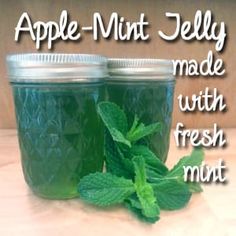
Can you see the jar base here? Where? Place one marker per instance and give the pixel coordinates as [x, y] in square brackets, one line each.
[56, 197]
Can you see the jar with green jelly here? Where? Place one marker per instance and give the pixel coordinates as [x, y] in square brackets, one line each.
[59, 130]
[144, 87]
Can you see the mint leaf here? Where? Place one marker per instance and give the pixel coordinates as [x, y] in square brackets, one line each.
[141, 131]
[171, 194]
[152, 162]
[119, 137]
[134, 125]
[195, 159]
[133, 205]
[144, 190]
[113, 117]
[134, 201]
[115, 121]
[104, 189]
[140, 172]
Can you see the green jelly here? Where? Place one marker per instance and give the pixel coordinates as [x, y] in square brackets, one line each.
[60, 135]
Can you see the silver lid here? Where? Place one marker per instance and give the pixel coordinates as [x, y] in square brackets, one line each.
[52, 67]
[144, 69]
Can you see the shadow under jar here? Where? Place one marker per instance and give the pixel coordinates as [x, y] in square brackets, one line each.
[59, 130]
[144, 87]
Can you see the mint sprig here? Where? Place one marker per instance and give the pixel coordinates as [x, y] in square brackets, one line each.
[134, 175]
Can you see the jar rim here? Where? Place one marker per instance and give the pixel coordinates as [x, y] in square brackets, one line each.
[140, 68]
[56, 67]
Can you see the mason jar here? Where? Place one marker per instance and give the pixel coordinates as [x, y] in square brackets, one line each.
[59, 130]
[144, 87]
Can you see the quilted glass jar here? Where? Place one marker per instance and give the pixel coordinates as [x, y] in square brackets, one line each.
[144, 87]
[60, 133]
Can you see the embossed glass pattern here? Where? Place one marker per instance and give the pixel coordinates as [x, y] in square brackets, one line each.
[60, 135]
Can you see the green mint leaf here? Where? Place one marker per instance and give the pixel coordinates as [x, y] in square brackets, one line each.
[141, 131]
[195, 159]
[134, 125]
[119, 137]
[116, 163]
[134, 201]
[152, 161]
[113, 117]
[144, 190]
[194, 187]
[140, 172]
[133, 205]
[104, 189]
[171, 194]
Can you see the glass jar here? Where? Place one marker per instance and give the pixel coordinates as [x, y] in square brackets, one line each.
[59, 130]
[144, 87]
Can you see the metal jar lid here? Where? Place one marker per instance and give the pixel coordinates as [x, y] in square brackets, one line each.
[56, 68]
[140, 69]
